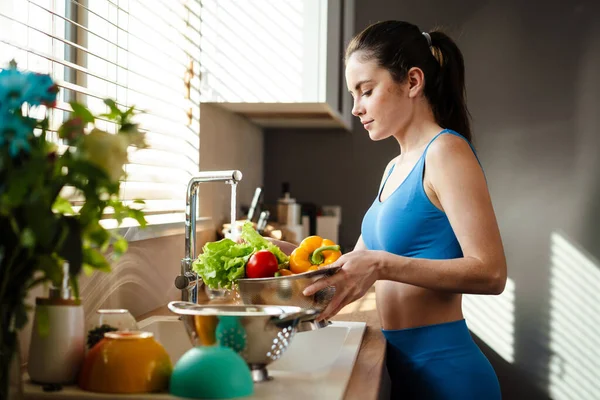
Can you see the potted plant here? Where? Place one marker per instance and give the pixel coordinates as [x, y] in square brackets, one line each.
[40, 228]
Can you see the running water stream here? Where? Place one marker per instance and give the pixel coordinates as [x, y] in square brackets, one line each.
[233, 235]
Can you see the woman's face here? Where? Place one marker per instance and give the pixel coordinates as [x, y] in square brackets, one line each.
[382, 104]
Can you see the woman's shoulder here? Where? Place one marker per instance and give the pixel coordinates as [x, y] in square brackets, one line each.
[451, 155]
[449, 145]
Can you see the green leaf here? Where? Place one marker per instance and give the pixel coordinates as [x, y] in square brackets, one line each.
[50, 266]
[82, 112]
[63, 206]
[75, 285]
[88, 270]
[95, 260]
[71, 247]
[115, 113]
[27, 238]
[128, 113]
[138, 215]
[97, 234]
[120, 246]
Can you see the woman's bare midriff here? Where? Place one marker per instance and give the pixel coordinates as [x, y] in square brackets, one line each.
[403, 306]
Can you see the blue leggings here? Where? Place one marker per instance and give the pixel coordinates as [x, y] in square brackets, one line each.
[439, 362]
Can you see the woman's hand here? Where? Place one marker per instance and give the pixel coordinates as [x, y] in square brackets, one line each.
[359, 272]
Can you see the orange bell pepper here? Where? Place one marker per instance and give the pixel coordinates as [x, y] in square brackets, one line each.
[284, 272]
[313, 252]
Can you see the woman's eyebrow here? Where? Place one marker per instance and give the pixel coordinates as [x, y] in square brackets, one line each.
[360, 83]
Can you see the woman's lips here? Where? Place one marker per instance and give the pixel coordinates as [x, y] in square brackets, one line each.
[366, 124]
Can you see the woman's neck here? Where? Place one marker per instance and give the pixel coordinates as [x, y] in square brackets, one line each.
[419, 131]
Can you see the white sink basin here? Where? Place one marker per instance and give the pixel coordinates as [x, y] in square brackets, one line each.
[316, 364]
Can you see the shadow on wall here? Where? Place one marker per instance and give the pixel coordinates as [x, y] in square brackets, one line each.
[574, 370]
[513, 383]
[574, 318]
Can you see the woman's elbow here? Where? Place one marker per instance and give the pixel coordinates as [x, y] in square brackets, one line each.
[497, 285]
[497, 279]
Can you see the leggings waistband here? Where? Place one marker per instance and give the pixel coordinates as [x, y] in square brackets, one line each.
[430, 338]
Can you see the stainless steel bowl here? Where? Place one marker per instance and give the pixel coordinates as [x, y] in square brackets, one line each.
[260, 334]
[287, 291]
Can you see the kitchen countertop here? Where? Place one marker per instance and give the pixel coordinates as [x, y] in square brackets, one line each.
[368, 369]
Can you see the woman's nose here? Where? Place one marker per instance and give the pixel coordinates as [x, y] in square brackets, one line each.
[357, 109]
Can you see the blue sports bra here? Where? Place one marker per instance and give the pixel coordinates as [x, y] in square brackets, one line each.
[407, 223]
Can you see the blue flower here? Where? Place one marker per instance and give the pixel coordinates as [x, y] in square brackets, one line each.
[15, 131]
[41, 90]
[18, 144]
[13, 85]
[18, 87]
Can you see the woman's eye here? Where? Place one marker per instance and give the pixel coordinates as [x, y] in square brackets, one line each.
[367, 93]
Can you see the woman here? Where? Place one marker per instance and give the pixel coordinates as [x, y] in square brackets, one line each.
[431, 234]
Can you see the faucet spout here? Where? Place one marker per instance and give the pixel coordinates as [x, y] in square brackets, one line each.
[188, 280]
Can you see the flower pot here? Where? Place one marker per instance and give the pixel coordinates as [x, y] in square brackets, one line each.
[57, 341]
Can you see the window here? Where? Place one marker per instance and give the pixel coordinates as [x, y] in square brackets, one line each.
[136, 52]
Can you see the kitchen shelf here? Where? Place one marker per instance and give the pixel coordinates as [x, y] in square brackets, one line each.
[287, 115]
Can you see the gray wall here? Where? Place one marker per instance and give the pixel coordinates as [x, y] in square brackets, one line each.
[534, 92]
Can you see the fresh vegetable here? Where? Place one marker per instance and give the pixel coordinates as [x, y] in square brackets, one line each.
[262, 264]
[223, 262]
[313, 252]
[253, 238]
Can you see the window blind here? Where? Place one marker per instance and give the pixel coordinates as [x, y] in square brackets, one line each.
[137, 52]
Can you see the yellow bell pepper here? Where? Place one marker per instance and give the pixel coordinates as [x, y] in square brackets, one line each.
[313, 253]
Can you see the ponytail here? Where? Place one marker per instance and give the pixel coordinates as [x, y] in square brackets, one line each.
[449, 96]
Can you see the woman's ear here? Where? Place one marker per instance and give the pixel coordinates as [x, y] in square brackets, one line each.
[416, 81]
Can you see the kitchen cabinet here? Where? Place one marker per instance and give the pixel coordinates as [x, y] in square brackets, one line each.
[278, 63]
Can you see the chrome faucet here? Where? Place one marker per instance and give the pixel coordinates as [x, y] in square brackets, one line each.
[188, 281]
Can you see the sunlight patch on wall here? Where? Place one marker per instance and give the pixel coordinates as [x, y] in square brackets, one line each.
[254, 51]
[574, 321]
[492, 319]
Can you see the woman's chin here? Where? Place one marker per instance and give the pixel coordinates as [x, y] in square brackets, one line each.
[377, 135]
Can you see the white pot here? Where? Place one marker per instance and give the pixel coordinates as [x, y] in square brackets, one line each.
[57, 351]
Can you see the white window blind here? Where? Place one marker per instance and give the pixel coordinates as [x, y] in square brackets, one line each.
[137, 52]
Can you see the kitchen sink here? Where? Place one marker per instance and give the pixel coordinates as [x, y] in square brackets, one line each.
[316, 364]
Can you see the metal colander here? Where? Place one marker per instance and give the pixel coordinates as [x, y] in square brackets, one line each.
[259, 334]
[287, 290]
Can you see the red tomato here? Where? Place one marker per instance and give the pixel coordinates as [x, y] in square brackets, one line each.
[262, 264]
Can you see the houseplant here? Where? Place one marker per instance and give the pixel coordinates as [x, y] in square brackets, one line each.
[40, 229]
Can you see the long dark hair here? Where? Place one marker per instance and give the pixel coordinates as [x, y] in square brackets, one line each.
[398, 46]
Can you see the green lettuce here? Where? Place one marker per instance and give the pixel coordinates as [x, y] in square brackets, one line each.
[253, 238]
[223, 262]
